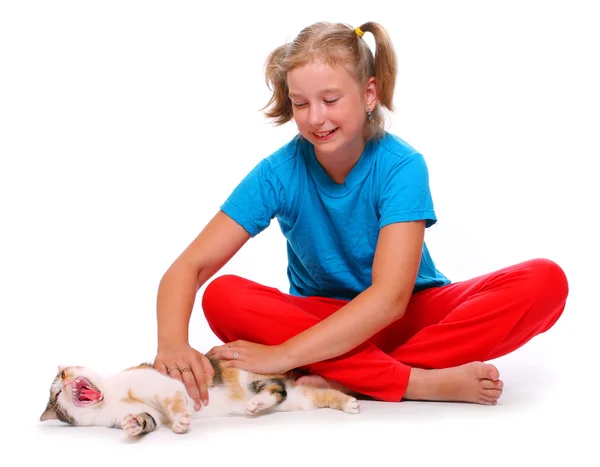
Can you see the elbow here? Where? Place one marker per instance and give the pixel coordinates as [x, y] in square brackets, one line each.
[393, 307]
[394, 304]
[397, 308]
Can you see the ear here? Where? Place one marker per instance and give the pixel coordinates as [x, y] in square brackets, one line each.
[49, 414]
[371, 93]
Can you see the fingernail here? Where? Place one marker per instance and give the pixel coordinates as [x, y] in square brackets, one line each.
[205, 402]
[196, 407]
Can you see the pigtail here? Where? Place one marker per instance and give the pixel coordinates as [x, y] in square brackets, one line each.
[385, 65]
[279, 107]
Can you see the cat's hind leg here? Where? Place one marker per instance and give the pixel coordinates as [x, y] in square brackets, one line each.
[305, 397]
[269, 392]
[139, 424]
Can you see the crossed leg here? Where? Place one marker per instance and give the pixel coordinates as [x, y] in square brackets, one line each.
[434, 352]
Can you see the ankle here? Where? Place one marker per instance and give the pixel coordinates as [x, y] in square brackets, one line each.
[419, 384]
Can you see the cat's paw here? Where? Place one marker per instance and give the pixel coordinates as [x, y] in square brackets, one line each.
[182, 423]
[260, 402]
[131, 425]
[351, 406]
[254, 406]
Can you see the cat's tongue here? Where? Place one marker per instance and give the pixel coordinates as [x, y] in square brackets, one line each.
[85, 392]
[88, 394]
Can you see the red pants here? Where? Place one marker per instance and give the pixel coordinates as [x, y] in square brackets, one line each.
[474, 320]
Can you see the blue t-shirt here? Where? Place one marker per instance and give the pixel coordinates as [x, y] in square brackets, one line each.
[332, 229]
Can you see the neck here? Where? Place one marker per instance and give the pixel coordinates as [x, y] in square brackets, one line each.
[339, 164]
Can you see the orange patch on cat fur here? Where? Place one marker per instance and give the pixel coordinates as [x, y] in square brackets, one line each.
[231, 378]
[328, 398]
[65, 367]
[141, 366]
[256, 377]
[69, 371]
[131, 398]
[175, 405]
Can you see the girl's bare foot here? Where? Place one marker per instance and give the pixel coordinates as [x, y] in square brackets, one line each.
[474, 382]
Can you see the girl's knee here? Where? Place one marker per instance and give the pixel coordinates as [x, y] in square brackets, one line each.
[550, 279]
[219, 296]
[548, 289]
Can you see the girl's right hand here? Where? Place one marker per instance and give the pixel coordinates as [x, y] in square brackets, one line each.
[186, 364]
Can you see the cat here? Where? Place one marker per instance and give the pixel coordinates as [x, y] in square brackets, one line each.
[140, 399]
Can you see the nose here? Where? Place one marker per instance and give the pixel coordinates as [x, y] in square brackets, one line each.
[316, 116]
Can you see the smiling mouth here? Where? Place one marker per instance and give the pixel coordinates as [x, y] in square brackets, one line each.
[85, 393]
[324, 134]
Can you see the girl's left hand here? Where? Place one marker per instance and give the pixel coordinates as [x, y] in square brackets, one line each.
[248, 356]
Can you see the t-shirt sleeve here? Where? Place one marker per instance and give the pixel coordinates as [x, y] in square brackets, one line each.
[405, 194]
[256, 200]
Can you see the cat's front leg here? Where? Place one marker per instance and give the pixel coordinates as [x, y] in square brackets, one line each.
[138, 424]
[177, 408]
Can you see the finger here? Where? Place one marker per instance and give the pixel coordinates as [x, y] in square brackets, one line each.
[160, 367]
[200, 378]
[212, 351]
[190, 383]
[233, 364]
[207, 366]
[222, 353]
[245, 366]
[234, 354]
[174, 372]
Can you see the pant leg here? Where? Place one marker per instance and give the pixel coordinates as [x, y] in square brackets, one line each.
[237, 308]
[474, 320]
[478, 319]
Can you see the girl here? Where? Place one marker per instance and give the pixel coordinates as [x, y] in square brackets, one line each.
[367, 312]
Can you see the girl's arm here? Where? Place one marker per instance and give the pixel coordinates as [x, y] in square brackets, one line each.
[209, 252]
[395, 267]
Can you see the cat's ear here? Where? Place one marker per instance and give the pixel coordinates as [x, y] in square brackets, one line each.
[49, 414]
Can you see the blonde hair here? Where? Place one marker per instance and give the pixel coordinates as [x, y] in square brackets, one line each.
[336, 44]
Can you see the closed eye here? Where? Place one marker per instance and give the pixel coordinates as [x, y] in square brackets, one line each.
[327, 101]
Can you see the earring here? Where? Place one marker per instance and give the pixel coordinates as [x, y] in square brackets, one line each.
[369, 114]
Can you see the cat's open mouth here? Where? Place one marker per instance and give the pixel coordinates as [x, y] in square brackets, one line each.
[84, 392]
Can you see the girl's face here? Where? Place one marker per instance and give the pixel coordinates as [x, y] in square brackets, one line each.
[330, 107]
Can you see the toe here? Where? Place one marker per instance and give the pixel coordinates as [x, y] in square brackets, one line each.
[489, 384]
[486, 371]
[484, 401]
[492, 393]
[492, 372]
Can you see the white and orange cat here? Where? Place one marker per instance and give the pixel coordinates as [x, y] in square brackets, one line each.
[139, 399]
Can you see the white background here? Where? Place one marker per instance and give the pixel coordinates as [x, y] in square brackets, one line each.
[125, 124]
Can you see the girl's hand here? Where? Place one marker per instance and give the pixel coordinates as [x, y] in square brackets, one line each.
[186, 364]
[256, 358]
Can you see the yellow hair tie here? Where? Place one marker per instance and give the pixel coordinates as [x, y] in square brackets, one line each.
[359, 31]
